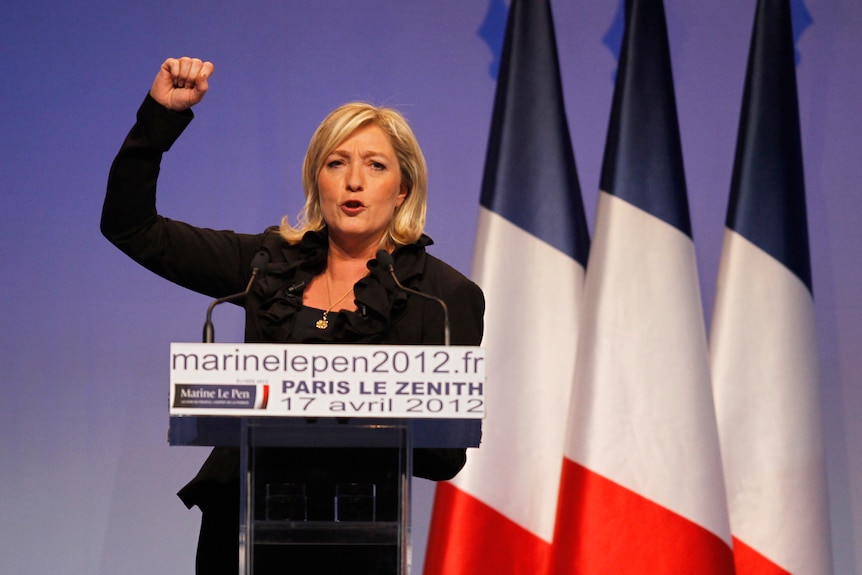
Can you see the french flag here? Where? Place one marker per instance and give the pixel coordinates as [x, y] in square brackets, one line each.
[642, 489]
[763, 344]
[497, 516]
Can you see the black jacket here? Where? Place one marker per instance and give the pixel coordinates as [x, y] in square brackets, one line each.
[218, 263]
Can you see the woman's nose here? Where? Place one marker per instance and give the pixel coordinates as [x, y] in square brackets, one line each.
[355, 181]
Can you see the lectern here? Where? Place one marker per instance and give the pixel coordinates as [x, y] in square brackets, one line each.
[376, 401]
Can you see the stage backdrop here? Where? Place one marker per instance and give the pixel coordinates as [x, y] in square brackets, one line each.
[87, 480]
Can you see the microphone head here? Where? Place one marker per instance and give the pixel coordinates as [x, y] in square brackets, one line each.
[260, 261]
[385, 259]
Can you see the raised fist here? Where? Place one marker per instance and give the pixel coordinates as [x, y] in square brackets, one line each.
[181, 83]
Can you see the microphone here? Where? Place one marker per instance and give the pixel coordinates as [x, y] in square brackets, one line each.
[258, 267]
[385, 259]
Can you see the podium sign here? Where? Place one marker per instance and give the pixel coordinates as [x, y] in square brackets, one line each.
[259, 396]
[433, 382]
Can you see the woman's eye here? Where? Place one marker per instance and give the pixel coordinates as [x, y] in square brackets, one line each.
[378, 166]
[334, 163]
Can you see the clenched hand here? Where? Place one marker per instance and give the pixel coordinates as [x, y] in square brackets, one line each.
[181, 83]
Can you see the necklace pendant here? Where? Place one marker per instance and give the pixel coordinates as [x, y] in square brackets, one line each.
[322, 323]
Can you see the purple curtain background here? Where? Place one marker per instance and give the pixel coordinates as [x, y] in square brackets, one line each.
[87, 480]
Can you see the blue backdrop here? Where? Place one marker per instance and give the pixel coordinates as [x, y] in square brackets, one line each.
[87, 480]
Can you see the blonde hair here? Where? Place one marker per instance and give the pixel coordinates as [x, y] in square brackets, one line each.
[408, 223]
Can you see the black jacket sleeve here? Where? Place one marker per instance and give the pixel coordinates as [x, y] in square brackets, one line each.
[466, 305]
[215, 263]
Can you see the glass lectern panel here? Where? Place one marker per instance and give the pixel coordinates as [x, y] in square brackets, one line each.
[325, 495]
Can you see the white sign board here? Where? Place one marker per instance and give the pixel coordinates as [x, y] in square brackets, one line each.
[327, 380]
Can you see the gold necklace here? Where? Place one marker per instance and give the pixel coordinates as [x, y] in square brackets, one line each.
[323, 322]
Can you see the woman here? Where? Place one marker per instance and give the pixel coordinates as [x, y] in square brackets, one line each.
[364, 179]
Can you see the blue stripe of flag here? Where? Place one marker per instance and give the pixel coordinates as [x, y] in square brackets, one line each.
[767, 193]
[643, 154]
[530, 177]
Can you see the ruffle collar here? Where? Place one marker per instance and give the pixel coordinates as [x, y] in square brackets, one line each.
[379, 302]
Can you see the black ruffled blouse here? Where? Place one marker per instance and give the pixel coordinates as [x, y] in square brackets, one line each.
[379, 303]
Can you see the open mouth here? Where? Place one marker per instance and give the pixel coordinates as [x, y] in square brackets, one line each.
[352, 206]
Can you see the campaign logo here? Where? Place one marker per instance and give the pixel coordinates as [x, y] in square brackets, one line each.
[223, 396]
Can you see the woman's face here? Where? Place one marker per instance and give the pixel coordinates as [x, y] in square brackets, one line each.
[360, 187]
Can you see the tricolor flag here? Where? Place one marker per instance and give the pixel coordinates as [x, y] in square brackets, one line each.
[497, 516]
[642, 489]
[763, 344]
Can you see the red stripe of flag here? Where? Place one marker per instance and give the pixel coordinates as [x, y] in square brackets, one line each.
[615, 531]
[748, 560]
[457, 545]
